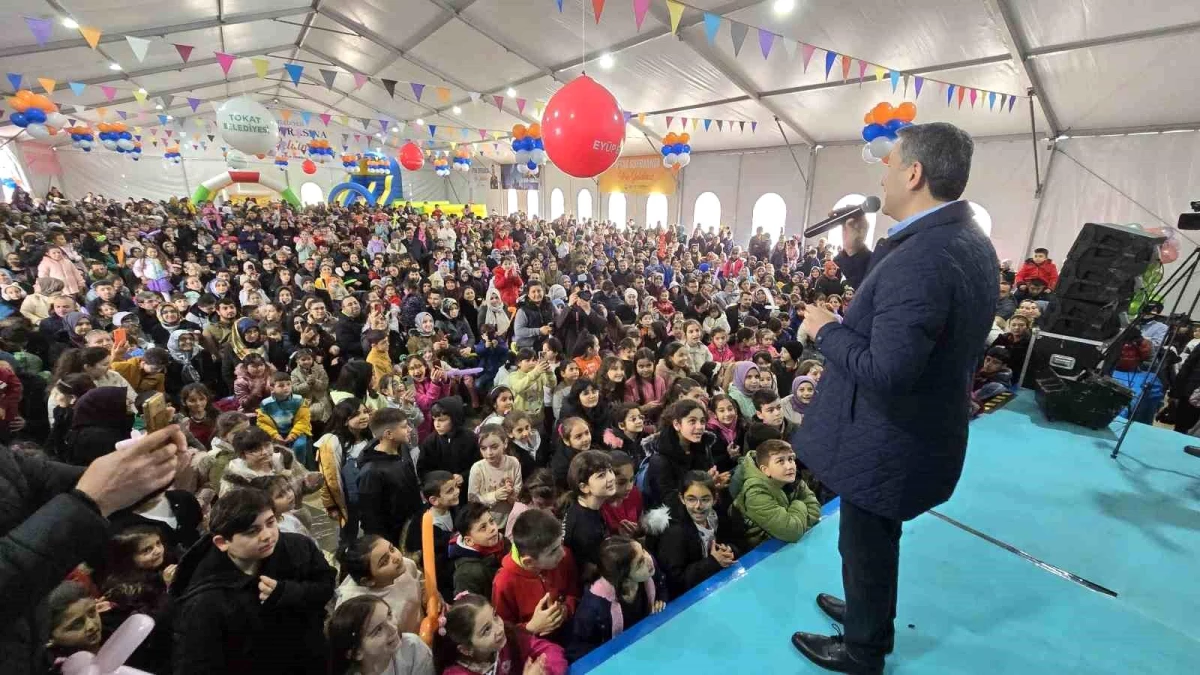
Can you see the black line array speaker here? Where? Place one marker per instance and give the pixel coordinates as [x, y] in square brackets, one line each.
[1098, 280]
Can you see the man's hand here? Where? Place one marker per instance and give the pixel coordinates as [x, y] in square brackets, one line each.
[815, 318]
[135, 469]
[266, 586]
[545, 330]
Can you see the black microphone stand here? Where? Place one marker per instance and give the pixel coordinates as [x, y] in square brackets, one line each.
[1180, 279]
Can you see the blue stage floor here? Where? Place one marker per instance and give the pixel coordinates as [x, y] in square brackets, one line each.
[1131, 525]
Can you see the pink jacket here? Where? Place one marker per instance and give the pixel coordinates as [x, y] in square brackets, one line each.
[644, 393]
[427, 393]
[65, 271]
[513, 656]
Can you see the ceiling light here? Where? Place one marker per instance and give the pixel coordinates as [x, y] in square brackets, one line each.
[142, 90]
[158, 106]
[607, 61]
[395, 129]
[170, 117]
[457, 110]
[68, 22]
[782, 7]
[420, 122]
[512, 93]
[114, 66]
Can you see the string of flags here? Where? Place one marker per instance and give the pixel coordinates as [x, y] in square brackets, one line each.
[846, 64]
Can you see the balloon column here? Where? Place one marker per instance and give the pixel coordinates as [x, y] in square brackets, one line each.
[171, 155]
[528, 147]
[411, 157]
[281, 162]
[115, 136]
[462, 159]
[349, 162]
[441, 166]
[81, 138]
[36, 114]
[319, 150]
[676, 151]
[377, 165]
[584, 128]
[882, 124]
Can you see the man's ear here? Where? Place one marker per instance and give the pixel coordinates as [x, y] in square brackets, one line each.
[221, 543]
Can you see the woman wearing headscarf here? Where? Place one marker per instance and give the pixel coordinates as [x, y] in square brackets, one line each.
[78, 325]
[101, 420]
[627, 311]
[494, 313]
[189, 362]
[739, 392]
[36, 305]
[245, 339]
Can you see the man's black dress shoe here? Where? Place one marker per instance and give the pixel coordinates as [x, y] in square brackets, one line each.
[1193, 450]
[833, 606]
[829, 652]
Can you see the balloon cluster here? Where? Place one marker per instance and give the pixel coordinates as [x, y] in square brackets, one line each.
[462, 160]
[441, 166]
[350, 162]
[281, 162]
[320, 151]
[115, 136]
[528, 147]
[882, 124]
[81, 137]
[676, 151]
[377, 165]
[36, 114]
[171, 155]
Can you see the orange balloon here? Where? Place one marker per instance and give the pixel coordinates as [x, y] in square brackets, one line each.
[261, 156]
[42, 103]
[535, 130]
[684, 138]
[882, 113]
[906, 112]
[670, 139]
[25, 94]
[18, 104]
[869, 118]
[519, 131]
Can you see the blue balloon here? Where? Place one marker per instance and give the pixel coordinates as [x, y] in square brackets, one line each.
[76, 137]
[125, 135]
[537, 144]
[87, 149]
[687, 149]
[666, 150]
[531, 165]
[20, 120]
[35, 116]
[873, 131]
[894, 125]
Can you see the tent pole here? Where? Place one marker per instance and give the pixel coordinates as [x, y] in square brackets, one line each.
[808, 191]
[1037, 170]
[1039, 198]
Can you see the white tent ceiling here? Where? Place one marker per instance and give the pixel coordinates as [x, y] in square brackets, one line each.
[1097, 65]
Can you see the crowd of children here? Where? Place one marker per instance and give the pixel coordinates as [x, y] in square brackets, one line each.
[596, 420]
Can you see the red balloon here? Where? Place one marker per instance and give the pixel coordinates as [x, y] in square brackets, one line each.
[308, 167]
[583, 128]
[411, 156]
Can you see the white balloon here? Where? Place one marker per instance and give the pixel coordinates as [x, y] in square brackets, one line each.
[247, 126]
[880, 147]
[86, 145]
[37, 130]
[523, 157]
[672, 159]
[57, 119]
[235, 160]
[685, 159]
[666, 162]
[110, 145]
[537, 156]
[125, 144]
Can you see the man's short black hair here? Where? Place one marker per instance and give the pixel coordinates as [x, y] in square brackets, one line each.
[535, 532]
[236, 511]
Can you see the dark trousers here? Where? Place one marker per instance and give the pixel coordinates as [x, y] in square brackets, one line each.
[870, 548]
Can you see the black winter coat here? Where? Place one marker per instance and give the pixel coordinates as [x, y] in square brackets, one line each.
[188, 517]
[389, 495]
[682, 559]
[668, 464]
[46, 531]
[221, 627]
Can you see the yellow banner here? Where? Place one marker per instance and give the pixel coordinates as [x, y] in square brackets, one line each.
[641, 175]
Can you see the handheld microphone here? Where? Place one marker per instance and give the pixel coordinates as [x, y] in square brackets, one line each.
[870, 205]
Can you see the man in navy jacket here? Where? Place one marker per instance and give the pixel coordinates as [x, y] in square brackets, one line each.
[887, 430]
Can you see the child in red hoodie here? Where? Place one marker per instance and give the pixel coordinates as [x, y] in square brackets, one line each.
[624, 510]
[537, 587]
[1040, 266]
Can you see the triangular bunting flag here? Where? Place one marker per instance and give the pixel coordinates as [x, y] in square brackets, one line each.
[683, 123]
[598, 8]
[720, 125]
[961, 94]
[949, 94]
[443, 94]
[432, 130]
[991, 100]
[765, 40]
[91, 35]
[895, 80]
[738, 32]
[139, 95]
[482, 135]
[15, 80]
[185, 51]
[695, 123]
[357, 138]
[102, 112]
[226, 61]
[974, 95]
[325, 117]
[260, 66]
[917, 84]
[417, 89]
[359, 80]
[753, 127]
[193, 103]
[285, 114]
[742, 126]
[474, 96]
[80, 109]
[365, 122]
[389, 86]
[154, 143]
[669, 120]
[306, 117]
[499, 101]
[210, 137]
[712, 23]
[675, 9]
[123, 115]
[138, 46]
[639, 11]
[830, 57]
[109, 92]
[168, 132]
[641, 118]
[807, 51]
[345, 139]
[343, 120]
[862, 70]
[162, 119]
[466, 133]
[77, 87]
[383, 123]
[905, 86]
[1011, 101]
[41, 29]
[846, 60]
[329, 76]
[70, 121]
[47, 84]
[294, 70]
[707, 124]
[521, 108]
